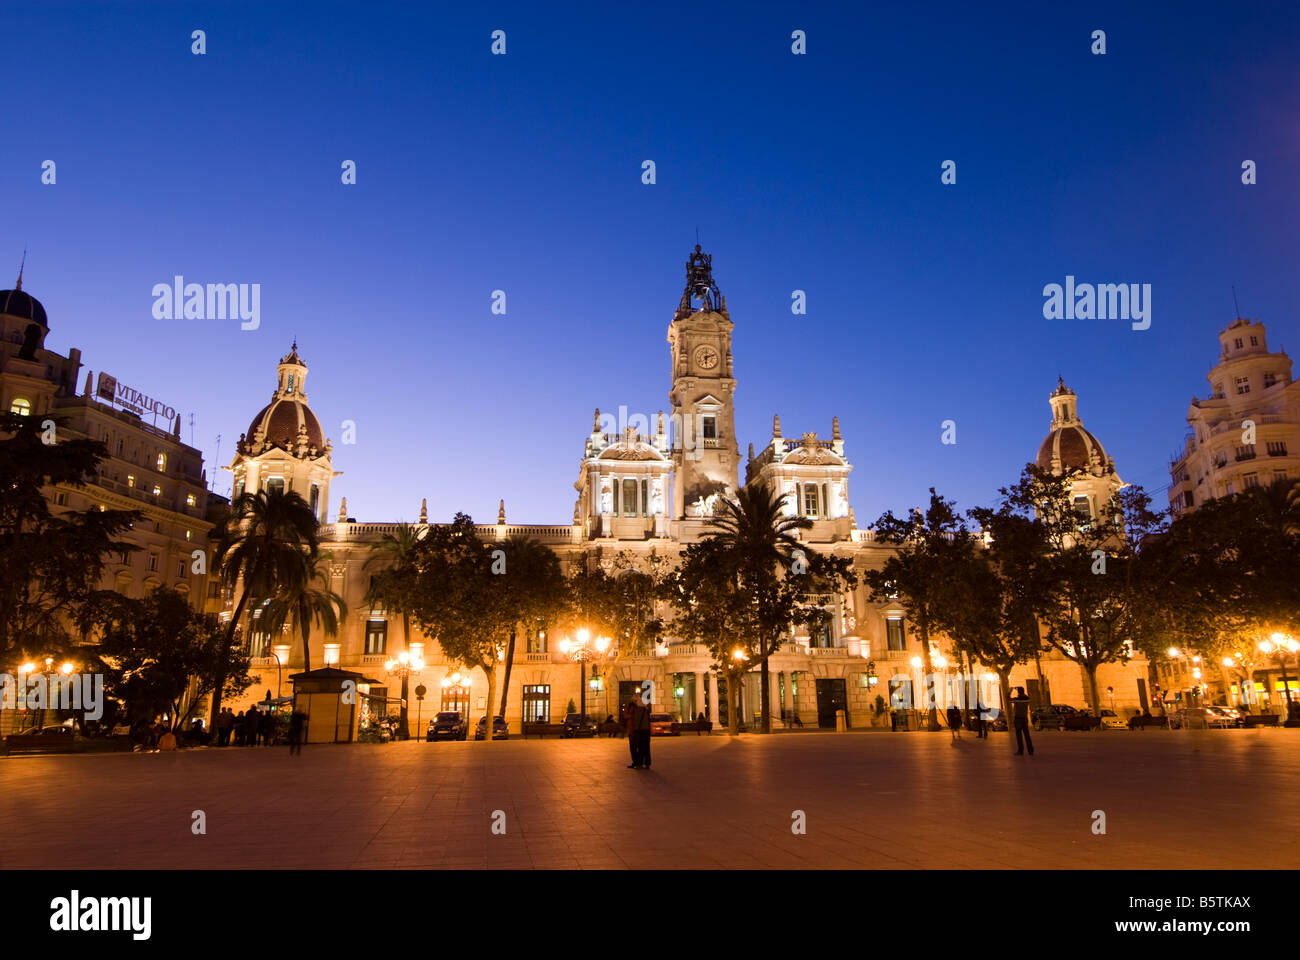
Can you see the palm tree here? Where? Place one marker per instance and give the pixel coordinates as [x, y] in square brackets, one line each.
[394, 553]
[755, 530]
[261, 546]
[300, 603]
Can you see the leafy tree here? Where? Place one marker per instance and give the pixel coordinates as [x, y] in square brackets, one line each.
[539, 592]
[51, 564]
[159, 656]
[467, 596]
[391, 587]
[1086, 585]
[988, 605]
[262, 549]
[931, 548]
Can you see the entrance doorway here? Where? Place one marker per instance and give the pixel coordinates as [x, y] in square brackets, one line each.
[455, 698]
[832, 695]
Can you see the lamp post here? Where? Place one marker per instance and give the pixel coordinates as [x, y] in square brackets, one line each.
[580, 649]
[406, 665]
[50, 693]
[1278, 647]
[281, 653]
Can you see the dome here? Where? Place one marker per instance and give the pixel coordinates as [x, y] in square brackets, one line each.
[18, 303]
[282, 420]
[1074, 448]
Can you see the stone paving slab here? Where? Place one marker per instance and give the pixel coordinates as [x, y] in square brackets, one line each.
[1172, 799]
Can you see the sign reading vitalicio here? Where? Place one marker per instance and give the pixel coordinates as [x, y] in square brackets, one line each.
[131, 399]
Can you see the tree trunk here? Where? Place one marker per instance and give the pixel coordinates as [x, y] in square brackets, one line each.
[1004, 684]
[765, 698]
[510, 660]
[306, 646]
[1091, 670]
[491, 699]
[223, 664]
[406, 714]
[733, 700]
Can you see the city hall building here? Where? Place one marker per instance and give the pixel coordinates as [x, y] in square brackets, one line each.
[643, 492]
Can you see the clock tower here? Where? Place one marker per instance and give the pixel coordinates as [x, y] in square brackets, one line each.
[706, 457]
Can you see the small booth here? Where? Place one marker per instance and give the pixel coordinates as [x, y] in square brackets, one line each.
[330, 698]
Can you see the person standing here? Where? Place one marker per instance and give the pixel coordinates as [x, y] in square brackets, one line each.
[627, 711]
[641, 728]
[1020, 718]
[954, 721]
[297, 723]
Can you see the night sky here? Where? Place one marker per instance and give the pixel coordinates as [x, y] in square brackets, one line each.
[523, 173]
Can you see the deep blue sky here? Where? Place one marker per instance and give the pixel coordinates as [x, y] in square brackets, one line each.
[523, 172]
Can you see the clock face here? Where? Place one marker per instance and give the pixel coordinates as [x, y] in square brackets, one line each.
[706, 358]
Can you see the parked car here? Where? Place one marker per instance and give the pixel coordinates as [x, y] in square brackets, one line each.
[1051, 717]
[1142, 720]
[448, 725]
[579, 725]
[1110, 720]
[661, 725]
[1193, 718]
[1080, 720]
[1220, 716]
[55, 738]
[500, 731]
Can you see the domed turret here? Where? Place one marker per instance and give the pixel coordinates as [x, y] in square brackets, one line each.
[287, 420]
[1068, 446]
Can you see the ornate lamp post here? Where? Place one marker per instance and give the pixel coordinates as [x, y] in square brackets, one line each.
[1279, 647]
[406, 665]
[580, 649]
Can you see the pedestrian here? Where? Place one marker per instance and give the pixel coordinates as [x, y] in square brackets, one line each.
[954, 722]
[981, 725]
[296, 724]
[264, 727]
[224, 726]
[250, 726]
[626, 712]
[641, 728]
[237, 729]
[1020, 718]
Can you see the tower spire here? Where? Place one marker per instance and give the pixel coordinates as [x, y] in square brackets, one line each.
[21, 267]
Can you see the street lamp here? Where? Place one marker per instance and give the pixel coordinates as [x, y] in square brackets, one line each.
[281, 653]
[1278, 647]
[406, 665]
[581, 649]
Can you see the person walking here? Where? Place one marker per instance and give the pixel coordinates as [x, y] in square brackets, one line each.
[981, 725]
[641, 728]
[954, 722]
[264, 727]
[297, 722]
[250, 726]
[1020, 719]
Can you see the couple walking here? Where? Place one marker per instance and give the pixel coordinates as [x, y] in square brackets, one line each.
[636, 719]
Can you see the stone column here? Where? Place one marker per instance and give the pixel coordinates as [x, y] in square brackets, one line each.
[774, 696]
[713, 697]
[699, 695]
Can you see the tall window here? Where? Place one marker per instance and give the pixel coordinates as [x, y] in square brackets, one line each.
[1243, 384]
[894, 635]
[161, 463]
[1250, 480]
[376, 636]
[537, 703]
[709, 427]
[821, 635]
[810, 500]
[1277, 448]
[21, 406]
[1269, 380]
[275, 485]
[629, 498]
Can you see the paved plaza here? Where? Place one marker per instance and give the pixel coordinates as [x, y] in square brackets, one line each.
[1172, 799]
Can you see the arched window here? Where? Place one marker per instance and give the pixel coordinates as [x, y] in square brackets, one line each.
[21, 406]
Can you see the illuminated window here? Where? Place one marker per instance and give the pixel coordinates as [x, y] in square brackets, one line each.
[130, 481]
[897, 639]
[629, 498]
[190, 500]
[21, 406]
[161, 463]
[189, 534]
[376, 636]
[157, 490]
